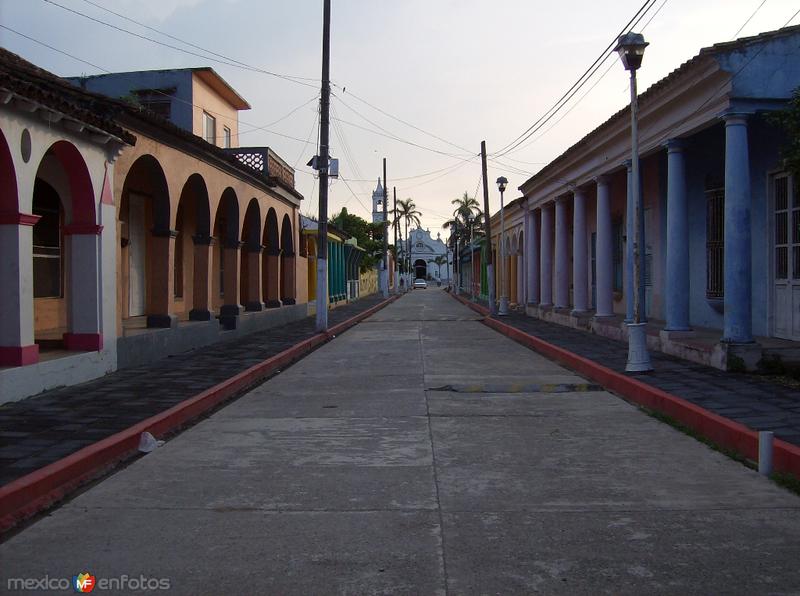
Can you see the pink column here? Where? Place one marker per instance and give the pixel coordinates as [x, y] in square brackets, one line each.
[254, 302]
[201, 288]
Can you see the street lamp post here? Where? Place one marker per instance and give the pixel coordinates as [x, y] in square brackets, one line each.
[501, 269]
[631, 50]
[447, 258]
[471, 221]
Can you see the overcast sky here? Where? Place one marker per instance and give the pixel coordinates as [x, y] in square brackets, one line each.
[463, 70]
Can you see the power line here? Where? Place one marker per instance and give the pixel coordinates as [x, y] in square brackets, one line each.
[588, 91]
[587, 74]
[388, 134]
[454, 168]
[422, 130]
[750, 18]
[308, 140]
[171, 97]
[190, 44]
[282, 118]
[227, 62]
[725, 84]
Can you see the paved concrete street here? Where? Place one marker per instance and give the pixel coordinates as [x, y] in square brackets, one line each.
[412, 455]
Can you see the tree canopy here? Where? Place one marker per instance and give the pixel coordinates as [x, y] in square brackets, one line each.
[368, 235]
[789, 120]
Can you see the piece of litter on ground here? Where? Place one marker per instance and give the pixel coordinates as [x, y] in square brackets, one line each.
[148, 443]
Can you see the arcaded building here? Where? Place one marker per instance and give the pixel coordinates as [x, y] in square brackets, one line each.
[134, 228]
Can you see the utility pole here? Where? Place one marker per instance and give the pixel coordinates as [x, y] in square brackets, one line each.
[385, 288]
[396, 252]
[324, 123]
[488, 215]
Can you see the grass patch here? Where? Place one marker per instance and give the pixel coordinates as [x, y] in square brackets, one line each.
[734, 455]
[788, 481]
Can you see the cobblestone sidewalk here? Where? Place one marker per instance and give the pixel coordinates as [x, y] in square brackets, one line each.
[44, 428]
[754, 401]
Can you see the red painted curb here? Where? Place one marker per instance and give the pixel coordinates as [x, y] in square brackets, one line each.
[38, 490]
[722, 431]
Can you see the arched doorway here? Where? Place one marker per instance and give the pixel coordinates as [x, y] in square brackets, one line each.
[288, 291]
[420, 269]
[190, 268]
[66, 263]
[146, 239]
[271, 261]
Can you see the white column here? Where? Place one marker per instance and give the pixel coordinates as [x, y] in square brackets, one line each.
[604, 262]
[16, 291]
[562, 255]
[546, 254]
[738, 322]
[580, 257]
[677, 289]
[84, 309]
[532, 257]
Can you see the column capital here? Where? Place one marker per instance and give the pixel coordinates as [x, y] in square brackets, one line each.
[165, 233]
[202, 240]
[579, 191]
[628, 163]
[602, 180]
[19, 219]
[233, 244]
[735, 118]
[675, 145]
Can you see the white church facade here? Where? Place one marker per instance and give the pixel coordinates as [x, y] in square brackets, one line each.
[423, 248]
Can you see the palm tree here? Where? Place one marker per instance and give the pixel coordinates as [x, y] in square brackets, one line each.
[407, 210]
[439, 261]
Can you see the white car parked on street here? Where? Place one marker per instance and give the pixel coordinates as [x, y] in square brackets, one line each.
[420, 283]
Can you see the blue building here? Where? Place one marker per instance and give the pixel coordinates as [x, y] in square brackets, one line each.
[722, 213]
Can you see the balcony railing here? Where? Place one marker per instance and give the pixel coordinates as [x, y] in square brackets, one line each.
[265, 162]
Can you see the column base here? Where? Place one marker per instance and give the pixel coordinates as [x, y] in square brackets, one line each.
[502, 309]
[254, 306]
[272, 304]
[600, 317]
[229, 316]
[199, 314]
[19, 355]
[83, 342]
[673, 334]
[230, 310]
[580, 319]
[638, 356]
[162, 321]
[288, 301]
[736, 357]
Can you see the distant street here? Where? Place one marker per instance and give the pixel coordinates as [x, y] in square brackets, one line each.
[423, 453]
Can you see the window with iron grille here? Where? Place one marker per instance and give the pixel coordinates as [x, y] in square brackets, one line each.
[47, 242]
[715, 243]
[619, 250]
